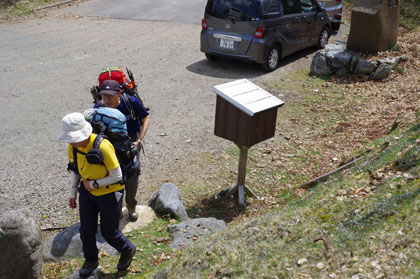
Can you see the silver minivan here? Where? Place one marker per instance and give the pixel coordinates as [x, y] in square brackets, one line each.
[262, 31]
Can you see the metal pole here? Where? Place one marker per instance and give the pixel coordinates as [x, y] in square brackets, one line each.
[242, 173]
[240, 186]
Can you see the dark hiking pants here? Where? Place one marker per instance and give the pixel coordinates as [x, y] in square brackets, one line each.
[131, 189]
[132, 182]
[109, 209]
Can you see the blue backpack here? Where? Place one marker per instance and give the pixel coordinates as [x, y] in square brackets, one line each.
[109, 123]
[108, 119]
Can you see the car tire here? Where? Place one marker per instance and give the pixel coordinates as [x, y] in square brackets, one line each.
[335, 26]
[323, 38]
[272, 59]
[211, 57]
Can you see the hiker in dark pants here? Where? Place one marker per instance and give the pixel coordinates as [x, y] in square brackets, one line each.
[111, 94]
[100, 191]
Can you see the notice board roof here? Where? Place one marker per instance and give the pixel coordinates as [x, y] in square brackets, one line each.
[247, 96]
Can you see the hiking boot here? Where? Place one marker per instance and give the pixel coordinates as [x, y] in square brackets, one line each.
[132, 214]
[125, 259]
[87, 268]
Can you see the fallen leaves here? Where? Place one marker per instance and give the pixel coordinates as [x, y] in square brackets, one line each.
[156, 260]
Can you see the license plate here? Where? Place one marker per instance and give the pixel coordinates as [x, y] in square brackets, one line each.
[226, 43]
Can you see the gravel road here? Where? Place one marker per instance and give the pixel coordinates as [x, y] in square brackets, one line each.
[49, 64]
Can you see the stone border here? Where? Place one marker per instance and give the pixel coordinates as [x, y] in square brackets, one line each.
[336, 59]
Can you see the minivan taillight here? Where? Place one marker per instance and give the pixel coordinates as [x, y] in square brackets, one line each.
[204, 24]
[259, 33]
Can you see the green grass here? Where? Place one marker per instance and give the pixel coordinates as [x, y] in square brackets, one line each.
[22, 8]
[367, 231]
[395, 47]
[410, 14]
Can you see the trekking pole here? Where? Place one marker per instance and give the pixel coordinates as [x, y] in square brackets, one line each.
[141, 147]
[133, 82]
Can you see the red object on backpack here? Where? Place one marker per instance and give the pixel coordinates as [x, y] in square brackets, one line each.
[116, 74]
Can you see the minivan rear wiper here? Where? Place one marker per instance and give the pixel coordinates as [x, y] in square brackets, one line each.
[231, 17]
[233, 14]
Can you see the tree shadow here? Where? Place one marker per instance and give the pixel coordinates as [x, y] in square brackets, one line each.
[226, 210]
[234, 69]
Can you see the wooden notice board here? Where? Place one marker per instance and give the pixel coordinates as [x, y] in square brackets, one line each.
[245, 113]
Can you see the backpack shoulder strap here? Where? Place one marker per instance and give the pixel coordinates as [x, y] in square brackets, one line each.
[73, 166]
[75, 151]
[129, 104]
[97, 142]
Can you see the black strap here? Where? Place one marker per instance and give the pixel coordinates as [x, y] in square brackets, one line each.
[96, 143]
[129, 104]
[75, 151]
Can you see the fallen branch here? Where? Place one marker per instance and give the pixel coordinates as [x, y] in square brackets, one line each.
[53, 5]
[323, 177]
[323, 240]
[53, 228]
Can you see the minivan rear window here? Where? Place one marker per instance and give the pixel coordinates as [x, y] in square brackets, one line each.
[241, 10]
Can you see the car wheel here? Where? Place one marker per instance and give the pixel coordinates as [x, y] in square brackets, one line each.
[323, 38]
[335, 26]
[272, 59]
[211, 57]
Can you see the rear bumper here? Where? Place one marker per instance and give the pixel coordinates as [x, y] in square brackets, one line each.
[334, 20]
[255, 52]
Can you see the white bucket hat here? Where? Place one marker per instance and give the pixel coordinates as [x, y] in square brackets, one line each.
[74, 128]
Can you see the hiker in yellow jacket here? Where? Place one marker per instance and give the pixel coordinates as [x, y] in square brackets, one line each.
[96, 175]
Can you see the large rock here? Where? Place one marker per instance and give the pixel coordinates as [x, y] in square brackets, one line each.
[336, 46]
[187, 232]
[339, 59]
[364, 67]
[167, 200]
[20, 245]
[320, 65]
[67, 243]
[343, 72]
[145, 216]
[344, 63]
[382, 72]
[391, 62]
[98, 273]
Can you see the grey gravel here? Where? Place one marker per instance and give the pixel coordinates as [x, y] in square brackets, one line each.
[50, 62]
